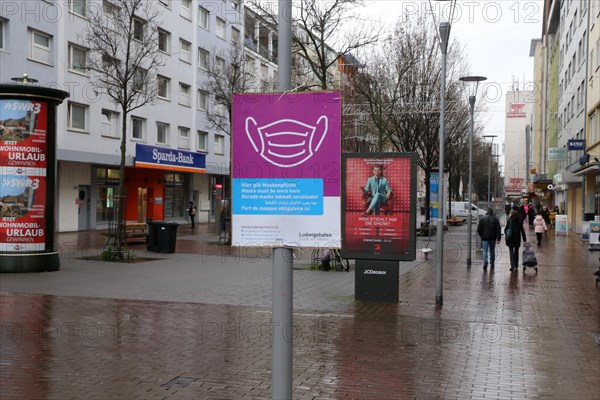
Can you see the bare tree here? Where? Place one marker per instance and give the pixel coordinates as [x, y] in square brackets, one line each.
[379, 84]
[225, 78]
[122, 38]
[404, 93]
[233, 76]
[321, 37]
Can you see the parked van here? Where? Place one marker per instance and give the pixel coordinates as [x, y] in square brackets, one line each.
[461, 209]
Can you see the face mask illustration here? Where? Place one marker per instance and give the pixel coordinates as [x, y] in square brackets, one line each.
[286, 142]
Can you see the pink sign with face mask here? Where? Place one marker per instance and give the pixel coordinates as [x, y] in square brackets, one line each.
[286, 163]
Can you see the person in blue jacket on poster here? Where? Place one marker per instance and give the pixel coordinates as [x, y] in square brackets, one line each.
[379, 190]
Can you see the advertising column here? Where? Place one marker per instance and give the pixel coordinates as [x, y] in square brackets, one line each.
[28, 177]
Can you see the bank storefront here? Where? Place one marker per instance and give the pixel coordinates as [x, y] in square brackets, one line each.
[159, 183]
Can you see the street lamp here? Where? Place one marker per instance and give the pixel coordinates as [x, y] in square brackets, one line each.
[489, 166]
[444, 35]
[471, 84]
[444, 31]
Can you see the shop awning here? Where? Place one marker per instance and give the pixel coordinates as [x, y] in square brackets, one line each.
[591, 168]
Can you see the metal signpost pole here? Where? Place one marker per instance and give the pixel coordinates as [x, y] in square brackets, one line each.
[282, 306]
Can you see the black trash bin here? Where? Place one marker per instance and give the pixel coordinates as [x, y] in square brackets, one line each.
[151, 238]
[166, 236]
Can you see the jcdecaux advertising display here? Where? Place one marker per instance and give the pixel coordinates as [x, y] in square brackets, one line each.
[286, 169]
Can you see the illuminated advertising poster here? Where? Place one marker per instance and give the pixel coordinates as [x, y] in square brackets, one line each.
[286, 169]
[379, 206]
[23, 128]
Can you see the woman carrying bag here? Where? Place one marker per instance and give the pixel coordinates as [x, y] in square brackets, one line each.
[513, 231]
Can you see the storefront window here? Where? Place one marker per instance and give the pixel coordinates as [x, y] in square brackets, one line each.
[107, 183]
[174, 195]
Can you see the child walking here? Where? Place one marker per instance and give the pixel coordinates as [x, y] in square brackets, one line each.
[539, 226]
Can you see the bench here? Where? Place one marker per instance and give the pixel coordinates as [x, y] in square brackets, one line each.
[131, 231]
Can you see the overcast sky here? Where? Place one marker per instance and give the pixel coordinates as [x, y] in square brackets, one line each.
[496, 36]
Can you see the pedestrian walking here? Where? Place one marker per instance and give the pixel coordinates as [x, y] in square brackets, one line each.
[523, 212]
[513, 232]
[507, 209]
[192, 213]
[490, 232]
[530, 215]
[539, 227]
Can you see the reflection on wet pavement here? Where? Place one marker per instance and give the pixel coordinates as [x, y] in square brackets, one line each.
[500, 335]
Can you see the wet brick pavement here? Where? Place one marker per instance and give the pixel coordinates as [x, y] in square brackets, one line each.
[197, 326]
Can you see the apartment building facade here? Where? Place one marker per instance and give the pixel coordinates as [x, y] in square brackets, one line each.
[589, 170]
[568, 141]
[43, 39]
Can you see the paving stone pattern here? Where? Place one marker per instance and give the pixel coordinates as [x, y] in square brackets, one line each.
[184, 328]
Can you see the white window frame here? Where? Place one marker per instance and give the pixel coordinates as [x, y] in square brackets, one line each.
[37, 48]
[73, 9]
[184, 138]
[219, 65]
[142, 123]
[594, 127]
[72, 67]
[185, 55]
[598, 51]
[167, 43]
[186, 10]
[137, 33]
[235, 36]
[202, 141]
[203, 18]
[184, 94]
[221, 28]
[202, 100]
[166, 3]
[219, 144]
[110, 12]
[139, 78]
[159, 126]
[70, 114]
[109, 127]
[3, 30]
[203, 58]
[167, 85]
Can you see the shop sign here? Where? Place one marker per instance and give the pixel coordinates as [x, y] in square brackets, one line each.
[557, 179]
[516, 111]
[169, 159]
[23, 163]
[557, 153]
[576, 144]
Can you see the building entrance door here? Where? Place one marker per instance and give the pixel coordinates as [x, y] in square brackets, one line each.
[83, 207]
[142, 204]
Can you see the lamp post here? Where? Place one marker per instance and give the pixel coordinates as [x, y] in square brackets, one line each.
[489, 167]
[444, 35]
[471, 83]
